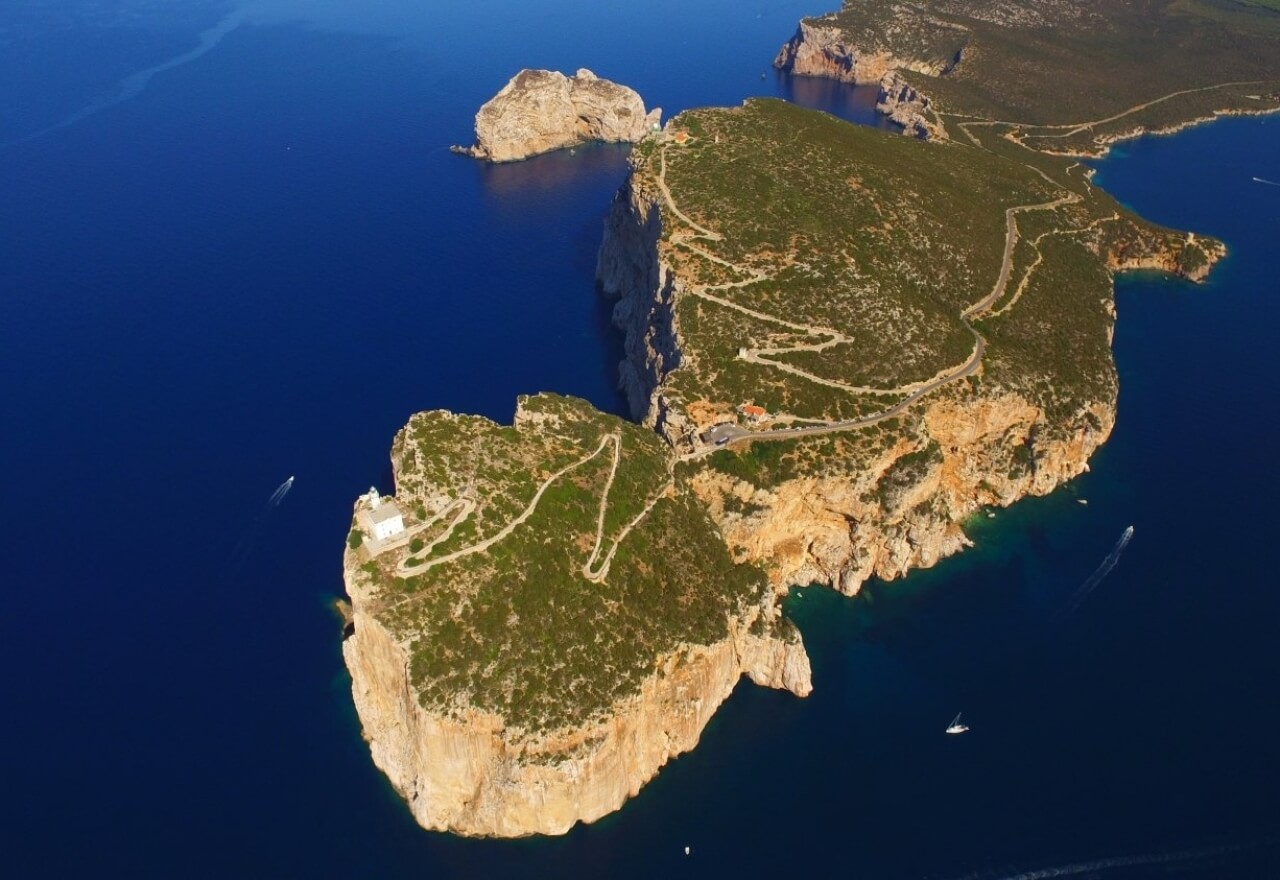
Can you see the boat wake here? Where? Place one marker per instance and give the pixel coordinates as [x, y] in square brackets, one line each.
[1267, 182]
[1082, 593]
[133, 85]
[282, 490]
[244, 547]
[1182, 858]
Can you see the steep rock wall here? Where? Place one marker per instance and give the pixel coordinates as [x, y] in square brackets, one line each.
[818, 50]
[842, 530]
[471, 775]
[823, 51]
[907, 107]
[629, 268]
[543, 110]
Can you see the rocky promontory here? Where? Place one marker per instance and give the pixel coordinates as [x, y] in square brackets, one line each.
[557, 619]
[823, 48]
[473, 774]
[840, 346]
[872, 495]
[543, 110]
[1070, 77]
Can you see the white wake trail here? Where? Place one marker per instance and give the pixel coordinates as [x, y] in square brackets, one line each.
[282, 490]
[132, 86]
[1102, 571]
[244, 547]
[1099, 865]
[1267, 182]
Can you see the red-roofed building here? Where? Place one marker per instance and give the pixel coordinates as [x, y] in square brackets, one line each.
[752, 412]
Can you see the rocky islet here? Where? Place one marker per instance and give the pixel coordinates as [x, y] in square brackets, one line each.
[538, 111]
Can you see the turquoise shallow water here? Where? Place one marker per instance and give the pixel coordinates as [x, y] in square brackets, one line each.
[198, 282]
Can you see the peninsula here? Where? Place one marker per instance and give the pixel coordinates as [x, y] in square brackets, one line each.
[1064, 77]
[840, 343]
[543, 110]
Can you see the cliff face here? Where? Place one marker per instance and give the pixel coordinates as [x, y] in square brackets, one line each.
[543, 110]
[471, 775]
[1191, 257]
[629, 268]
[992, 447]
[842, 530]
[816, 50]
[906, 106]
[823, 51]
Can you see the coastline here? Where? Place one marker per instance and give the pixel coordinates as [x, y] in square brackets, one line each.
[1109, 141]
[962, 482]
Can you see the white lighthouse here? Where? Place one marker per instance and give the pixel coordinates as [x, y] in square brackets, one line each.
[385, 519]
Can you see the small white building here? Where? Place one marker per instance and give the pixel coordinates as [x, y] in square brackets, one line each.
[385, 519]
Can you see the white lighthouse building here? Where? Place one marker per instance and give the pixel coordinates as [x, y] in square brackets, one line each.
[385, 519]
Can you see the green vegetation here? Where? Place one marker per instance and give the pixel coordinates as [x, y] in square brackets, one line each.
[808, 206]
[1054, 62]
[827, 273]
[355, 538]
[905, 473]
[518, 629]
[854, 255]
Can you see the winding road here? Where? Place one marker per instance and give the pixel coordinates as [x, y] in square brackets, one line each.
[721, 435]
[590, 570]
[596, 569]
[1070, 129]
[404, 570]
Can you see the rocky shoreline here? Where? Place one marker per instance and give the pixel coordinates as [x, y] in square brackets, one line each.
[972, 446]
[473, 775]
[1104, 143]
[824, 51]
[538, 111]
[822, 529]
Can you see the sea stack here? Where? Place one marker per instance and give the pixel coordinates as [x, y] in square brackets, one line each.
[543, 110]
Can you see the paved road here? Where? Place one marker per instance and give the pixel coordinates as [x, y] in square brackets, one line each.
[1070, 129]
[731, 433]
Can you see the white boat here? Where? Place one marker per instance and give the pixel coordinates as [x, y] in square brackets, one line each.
[955, 727]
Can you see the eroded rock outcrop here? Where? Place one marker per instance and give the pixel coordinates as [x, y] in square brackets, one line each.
[629, 269]
[473, 775]
[1189, 257]
[543, 110]
[816, 50]
[843, 530]
[826, 51]
[906, 106]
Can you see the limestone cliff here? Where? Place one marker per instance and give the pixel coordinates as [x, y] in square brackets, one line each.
[841, 530]
[543, 110]
[907, 107]
[818, 50]
[992, 447]
[1189, 257]
[473, 775]
[826, 51]
[630, 269]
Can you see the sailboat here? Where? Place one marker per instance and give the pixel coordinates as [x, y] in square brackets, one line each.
[955, 727]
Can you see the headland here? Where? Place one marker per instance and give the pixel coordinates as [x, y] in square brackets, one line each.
[840, 344]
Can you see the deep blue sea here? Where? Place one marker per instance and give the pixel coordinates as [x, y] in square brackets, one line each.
[234, 248]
